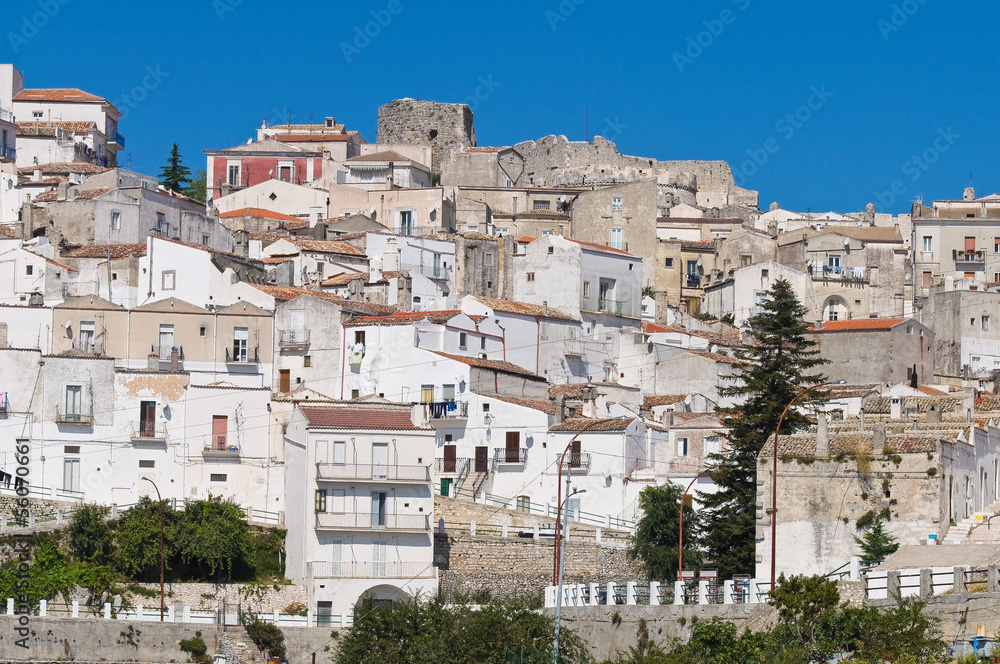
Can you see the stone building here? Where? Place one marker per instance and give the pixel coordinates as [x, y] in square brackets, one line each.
[967, 335]
[415, 122]
[877, 350]
[483, 167]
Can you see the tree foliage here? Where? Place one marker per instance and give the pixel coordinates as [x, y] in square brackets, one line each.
[174, 175]
[656, 535]
[266, 636]
[769, 371]
[877, 543]
[425, 632]
[198, 189]
[90, 534]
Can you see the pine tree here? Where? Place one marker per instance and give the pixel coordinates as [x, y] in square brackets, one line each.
[769, 371]
[877, 543]
[174, 175]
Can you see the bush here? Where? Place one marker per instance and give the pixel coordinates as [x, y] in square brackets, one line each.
[267, 637]
[196, 648]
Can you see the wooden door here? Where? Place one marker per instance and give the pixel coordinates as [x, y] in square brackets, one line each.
[482, 459]
[450, 452]
[513, 446]
[147, 419]
[220, 427]
[574, 454]
[284, 380]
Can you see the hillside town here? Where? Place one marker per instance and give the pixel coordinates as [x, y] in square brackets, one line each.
[375, 342]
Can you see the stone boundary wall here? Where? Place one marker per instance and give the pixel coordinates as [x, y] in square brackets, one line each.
[209, 596]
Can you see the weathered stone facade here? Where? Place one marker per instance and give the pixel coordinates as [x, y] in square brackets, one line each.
[416, 122]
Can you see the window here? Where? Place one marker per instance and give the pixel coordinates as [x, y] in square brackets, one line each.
[116, 220]
[320, 501]
[166, 340]
[713, 445]
[746, 260]
[540, 205]
[488, 259]
[909, 329]
[928, 243]
[378, 562]
[523, 504]
[692, 267]
[147, 419]
[616, 238]
[37, 114]
[74, 402]
[87, 336]
[586, 290]
[147, 463]
[759, 297]
[307, 361]
[531, 276]
[359, 337]
[448, 392]
[986, 323]
[234, 175]
[668, 262]
[217, 477]
[29, 270]
[406, 222]
[616, 204]
[71, 475]
[486, 408]
[355, 394]
[169, 280]
[241, 337]
[379, 500]
[482, 343]
[205, 239]
[161, 222]
[926, 279]
[552, 250]
[426, 393]
[202, 331]
[833, 261]
[462, 340]
[682, 447]
[996, 245]
[339, 451]
[970, 245]
[764, 273]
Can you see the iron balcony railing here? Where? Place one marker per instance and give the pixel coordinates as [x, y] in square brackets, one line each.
[960, 256]
[448, 410]
[372, 472]
[80, 416]
[836, 272]
[374, 570]
[457, 466]
[510, 455]
[6, 114]
[578, 462]
[164, 352]
[242, 355]
[4, 404]
[148, 432]
[429, 271]
[367, 521]
[611, 306]
[293, 339]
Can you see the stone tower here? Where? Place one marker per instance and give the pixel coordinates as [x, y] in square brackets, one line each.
[412, 122]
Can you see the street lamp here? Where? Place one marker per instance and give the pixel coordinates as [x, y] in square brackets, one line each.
[562, 557]
[562, 459]
[680, 537]
[774, 476]
[160, 501]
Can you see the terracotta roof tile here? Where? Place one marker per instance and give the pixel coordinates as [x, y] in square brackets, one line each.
[495, 365]
[56, 94]
[651, 401]
[49, 128]
[850, 391]
[604, 249]
[576, 390]
[486, 149]
[344, 279]
[689, 245]
[287, 294]
[311, 138]
[547, 407]
[101, 251]
[850, 444]
[522, 308]
[405, 318]
[578, 424]
[64, 168]
[386, 155]
[856, 324]
[81, 195]
[7, 231]
[883, 405]
[327, 247]
[257, 212]
[360, 415]
[718, 357]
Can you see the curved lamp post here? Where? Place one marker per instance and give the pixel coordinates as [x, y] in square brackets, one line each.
[160, 501]
[774, 477]
[556, 549]
[562, 556]
[680, 536]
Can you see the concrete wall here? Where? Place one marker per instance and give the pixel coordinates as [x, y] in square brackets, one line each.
[879, 356]
[957, 318]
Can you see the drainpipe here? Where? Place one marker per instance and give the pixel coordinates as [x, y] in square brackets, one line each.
[343, 358]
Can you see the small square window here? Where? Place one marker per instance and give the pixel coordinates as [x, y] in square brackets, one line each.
[29, 269]
[551, 250]
[359, 337]
[616, 204]
[764, 273]
[114, 276]
[147, 463]
[531, 276]
[462, 340]
[486, 408]
[37, 114]
[71, 449]
[487, 259]
[217, 477]
[202, 331]
[586, 289]
[668, 262]
[205, 240]
[355, 394]
[307, 361]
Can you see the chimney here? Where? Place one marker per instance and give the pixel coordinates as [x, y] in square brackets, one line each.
[62, 190]
[545, 307]
[896, 408]
[933, 413]
[375, 270]
[390, 256]
[969, 398]
[969, 194]
[878, 438]
[822, 436]
[314, 213]
[175, 357]
[668, 418]
[36, 176]
[861, 420]
[561, 409]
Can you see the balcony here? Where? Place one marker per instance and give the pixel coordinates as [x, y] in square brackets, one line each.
[293, 339]
[693, 281]
[83, 417]
[8, 153]
[220, 449]
[858, 275]
[606, 306]
[511, 456]
[6, 114]
[147, 433]
[447, 410]
[241, 355]
[575, 347]
[165, 352]
[380, 570]
[429, 271]
[578, 463]
[969, 257]
[366, 472]
[4, 404]
[457, 466]
[414, 523]
[118, 140]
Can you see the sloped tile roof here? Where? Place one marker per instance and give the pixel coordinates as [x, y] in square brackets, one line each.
[651, 401]
[327, 247]
[850, 444]
[360, 415]
[579, 423]
[49, 128]
[602, 248]
[81, 195]
[547, 407]
[717, 357]
[267, 145]
[311, 138]
[522, 308]
[257, 212]
[851, 391]
[344, 279]
[101, 251]
[287, 293]
[385, 155]
[56, 94]
[405, 318]
[64, 168]
[856, 324]
[495, 365]
[883, 405]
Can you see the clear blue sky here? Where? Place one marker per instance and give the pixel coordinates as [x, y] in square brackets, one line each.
[922, 83]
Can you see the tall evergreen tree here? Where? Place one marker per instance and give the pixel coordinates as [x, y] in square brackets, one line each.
[777, 362]
[174, 175]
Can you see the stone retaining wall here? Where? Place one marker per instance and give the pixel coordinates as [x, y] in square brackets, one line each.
[203, 596]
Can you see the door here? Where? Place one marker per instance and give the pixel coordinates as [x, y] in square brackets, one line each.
[574, 454]
[380, 459]
[284, 380]
[285, 173]
[513, 446]
[220, 429]
[378, 559]
[450, 462]
[379, 499]
[74, 402]
[482, 459]
[324, 613]
[71, 475]
[147, 419]
[166, 340]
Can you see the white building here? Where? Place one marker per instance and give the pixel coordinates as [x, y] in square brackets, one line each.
[360, 507]
[385, 170]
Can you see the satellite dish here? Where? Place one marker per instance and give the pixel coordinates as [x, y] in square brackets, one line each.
[270, 172]
[430, 209]
[249, 141]
[68, 325]
[372, 210]
[688, 400]
[847, 241]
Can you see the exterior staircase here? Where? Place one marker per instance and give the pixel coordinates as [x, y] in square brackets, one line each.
[471, 485]
[236, 645]
[976, 528]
